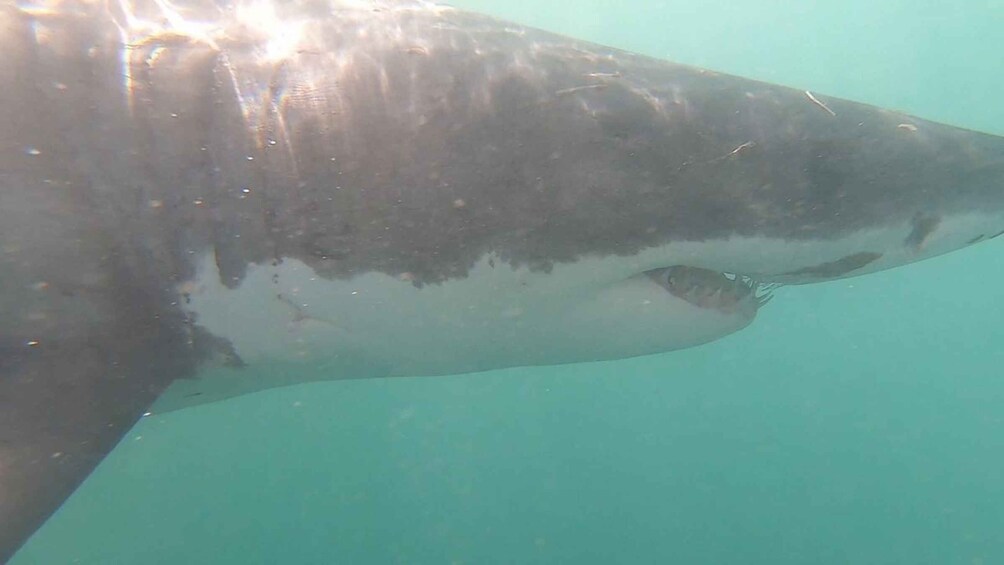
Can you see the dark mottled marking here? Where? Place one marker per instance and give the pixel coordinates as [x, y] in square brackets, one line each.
[923, 227]
[839, 267]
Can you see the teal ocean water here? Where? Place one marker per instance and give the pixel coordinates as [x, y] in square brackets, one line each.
[860, 421]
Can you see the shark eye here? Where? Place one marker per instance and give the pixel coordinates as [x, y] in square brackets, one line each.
[669, 277]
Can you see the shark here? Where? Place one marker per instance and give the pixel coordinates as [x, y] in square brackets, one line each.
[374, 189]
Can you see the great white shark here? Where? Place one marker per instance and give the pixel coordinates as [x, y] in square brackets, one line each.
[398, 188]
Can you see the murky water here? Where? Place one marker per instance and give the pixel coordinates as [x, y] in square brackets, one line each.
[858, 421]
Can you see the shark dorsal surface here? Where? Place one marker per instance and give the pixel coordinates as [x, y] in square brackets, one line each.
[206, 201]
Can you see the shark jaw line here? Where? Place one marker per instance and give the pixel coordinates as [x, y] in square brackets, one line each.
[722, 291]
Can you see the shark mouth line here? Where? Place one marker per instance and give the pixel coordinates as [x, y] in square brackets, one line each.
[726, 292]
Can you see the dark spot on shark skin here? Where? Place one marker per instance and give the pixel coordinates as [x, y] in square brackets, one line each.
[839, 267]
[232, 266]
[215, 349]
[998, 234]
[923, 227]
[975, 239]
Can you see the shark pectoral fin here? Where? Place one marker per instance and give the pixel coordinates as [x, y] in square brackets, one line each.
[63, 407]
[88, 340]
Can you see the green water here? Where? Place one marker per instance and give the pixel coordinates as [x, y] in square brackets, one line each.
[860, 421]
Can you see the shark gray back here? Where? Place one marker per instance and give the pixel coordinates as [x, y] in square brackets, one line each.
[402, 189]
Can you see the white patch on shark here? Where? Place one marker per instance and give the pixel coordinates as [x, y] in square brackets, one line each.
[498, 316]
[378, 325]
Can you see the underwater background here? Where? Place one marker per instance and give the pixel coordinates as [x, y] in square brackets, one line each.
[859, 421]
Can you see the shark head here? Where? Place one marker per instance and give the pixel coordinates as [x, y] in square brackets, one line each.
[457, 194]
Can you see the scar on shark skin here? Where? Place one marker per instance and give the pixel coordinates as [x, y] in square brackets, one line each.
[739, 149]
[820, 104]
[575, 89]
[298, 314]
